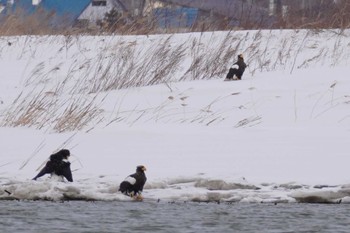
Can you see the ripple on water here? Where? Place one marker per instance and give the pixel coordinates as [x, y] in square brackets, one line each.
[152, 216]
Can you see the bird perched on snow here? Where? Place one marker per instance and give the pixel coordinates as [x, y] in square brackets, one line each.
[133, 184]
[58, 164]
[238, 70]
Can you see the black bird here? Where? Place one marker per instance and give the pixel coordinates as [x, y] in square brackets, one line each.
[237, 71]
[133, 185]
[59, 165]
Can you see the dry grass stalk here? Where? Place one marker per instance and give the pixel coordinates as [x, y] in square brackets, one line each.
[78, 114]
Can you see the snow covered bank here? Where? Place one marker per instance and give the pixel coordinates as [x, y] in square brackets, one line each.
[190, 189]
[276, 136]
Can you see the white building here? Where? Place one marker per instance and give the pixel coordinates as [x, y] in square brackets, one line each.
[98, 8]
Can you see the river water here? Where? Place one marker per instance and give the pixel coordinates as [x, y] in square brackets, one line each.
[153, 216]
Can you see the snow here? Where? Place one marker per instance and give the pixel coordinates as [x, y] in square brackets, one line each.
[279, 135]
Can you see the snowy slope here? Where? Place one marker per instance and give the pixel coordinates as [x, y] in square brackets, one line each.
[279, 135]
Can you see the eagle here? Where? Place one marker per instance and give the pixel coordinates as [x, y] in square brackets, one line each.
[59, 165]
[133, 184]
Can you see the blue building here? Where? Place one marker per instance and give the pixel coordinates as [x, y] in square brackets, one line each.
[175, 18]
[62, 10]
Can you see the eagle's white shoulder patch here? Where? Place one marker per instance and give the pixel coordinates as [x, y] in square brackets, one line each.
[235, 66]
[130, 179]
